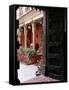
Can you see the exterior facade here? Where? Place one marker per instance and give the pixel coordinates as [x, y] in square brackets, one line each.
[31, 26]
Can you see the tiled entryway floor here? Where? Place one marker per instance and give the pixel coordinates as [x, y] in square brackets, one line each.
[40, 78]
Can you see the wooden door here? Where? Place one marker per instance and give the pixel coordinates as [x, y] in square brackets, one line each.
[56, 62]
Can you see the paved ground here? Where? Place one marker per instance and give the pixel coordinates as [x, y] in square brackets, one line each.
[27, 74]
[40, 78]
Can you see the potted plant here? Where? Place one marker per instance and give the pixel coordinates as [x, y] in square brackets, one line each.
[27, 55]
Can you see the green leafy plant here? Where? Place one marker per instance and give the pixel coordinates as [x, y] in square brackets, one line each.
[28, 51]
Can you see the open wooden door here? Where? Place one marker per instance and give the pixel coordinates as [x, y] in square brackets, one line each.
[56, 61]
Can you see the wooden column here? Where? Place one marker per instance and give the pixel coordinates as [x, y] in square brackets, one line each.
[33, 32]
[25, 34]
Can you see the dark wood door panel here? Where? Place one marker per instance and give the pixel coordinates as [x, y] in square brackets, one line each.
[56, 43]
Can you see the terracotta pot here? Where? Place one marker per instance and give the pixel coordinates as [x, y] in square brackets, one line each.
[34, 59]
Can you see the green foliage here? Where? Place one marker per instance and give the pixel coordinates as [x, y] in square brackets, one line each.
[28, 51]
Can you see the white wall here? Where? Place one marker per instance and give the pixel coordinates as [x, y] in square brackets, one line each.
[4, 44]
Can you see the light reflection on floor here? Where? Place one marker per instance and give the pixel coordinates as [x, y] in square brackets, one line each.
[27, 74]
